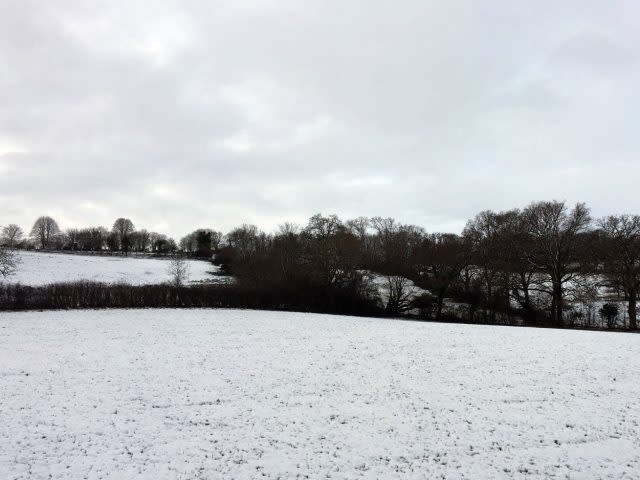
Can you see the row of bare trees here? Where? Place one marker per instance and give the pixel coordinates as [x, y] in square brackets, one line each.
[554, 259]
[549, 263]
[122, 237]
[545, 264]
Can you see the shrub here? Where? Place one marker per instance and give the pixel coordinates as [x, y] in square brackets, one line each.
[609, 312]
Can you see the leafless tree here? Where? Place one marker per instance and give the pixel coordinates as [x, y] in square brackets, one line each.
[287, 252]
[161, 244]
[246, 240]
[331, 253]
[8, 262]
[11, 235]
[384, 226]
[439, 263]
[92, 238]
[517, 246]
[490, 237]
[203, 242]
[359, 226]
[216, 240]
[179, 271]
[323, 227]
[44, 231]
[392, 248]
[140, 240]
[288, 228]
[620, 251]
[123, 228]
[72, 239]
[556, 235]
[399, 294]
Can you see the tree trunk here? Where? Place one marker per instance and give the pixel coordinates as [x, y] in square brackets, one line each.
[439, 302]
[633, 322]
[557, 306]
[524, 284]
[558, 314]
[492, 307]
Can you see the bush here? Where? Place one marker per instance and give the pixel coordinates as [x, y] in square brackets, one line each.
[78, 295]
[426, 305]
[609, 312]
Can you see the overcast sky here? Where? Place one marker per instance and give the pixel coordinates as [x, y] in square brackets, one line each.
[208, 113]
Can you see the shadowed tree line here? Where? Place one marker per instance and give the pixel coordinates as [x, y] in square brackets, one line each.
[547, 264]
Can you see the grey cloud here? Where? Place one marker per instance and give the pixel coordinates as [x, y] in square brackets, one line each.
[216, 113]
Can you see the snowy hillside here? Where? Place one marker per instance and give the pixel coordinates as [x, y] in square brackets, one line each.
[242, 394]
[37, 268]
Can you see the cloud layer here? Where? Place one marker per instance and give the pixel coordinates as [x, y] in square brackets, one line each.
[205, 113]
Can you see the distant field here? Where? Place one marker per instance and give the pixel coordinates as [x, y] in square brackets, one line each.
[37, 268]
[217, 394]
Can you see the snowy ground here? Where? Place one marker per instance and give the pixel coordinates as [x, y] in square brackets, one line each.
[243, 394]
[37, 268]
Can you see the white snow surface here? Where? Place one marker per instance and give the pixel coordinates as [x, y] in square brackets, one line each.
[212, 394]
[41, 268]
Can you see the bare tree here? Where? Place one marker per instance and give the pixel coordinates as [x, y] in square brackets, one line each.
[203, 242]
[11, 235]
[384, 226]
[517, 245]
[216, 240]
[439, 263]
[92, 238]
[140, 240]
[287, 252]
[44, 231]
[72, 239]
[399, 294]
[392, 248]
[556, 234]
[331, 253]
[359, 226]
[179, 271]
[287, 228]
[123, 228]
[8, 263]
[620, 251]
[490, 238]
[161, 244]
[245, 240]
[187, 243]
[323, 227]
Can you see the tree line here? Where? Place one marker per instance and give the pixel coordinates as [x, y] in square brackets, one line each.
[123, 237]
[547, 264]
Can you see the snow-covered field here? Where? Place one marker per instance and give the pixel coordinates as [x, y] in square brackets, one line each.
[37, 268]
[158, 394]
